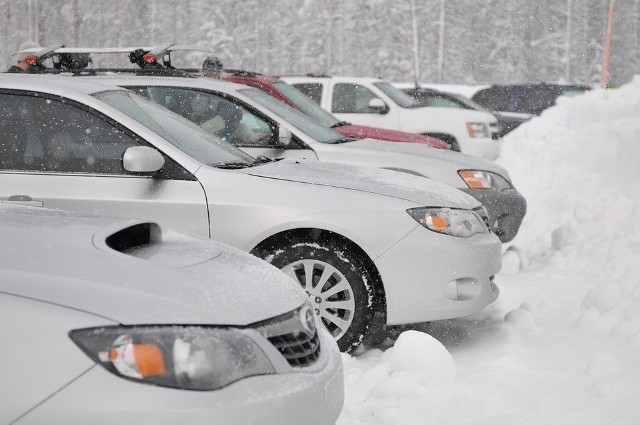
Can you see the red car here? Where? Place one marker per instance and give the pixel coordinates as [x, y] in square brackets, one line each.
[296, 99]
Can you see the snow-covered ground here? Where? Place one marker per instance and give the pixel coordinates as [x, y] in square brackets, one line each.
[562, 343]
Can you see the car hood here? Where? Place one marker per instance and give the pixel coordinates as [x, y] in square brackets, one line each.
[423, 192]
[423, 160]
[363, 132]
[91, 264]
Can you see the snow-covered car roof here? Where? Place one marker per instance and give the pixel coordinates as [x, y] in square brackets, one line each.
[52, 84]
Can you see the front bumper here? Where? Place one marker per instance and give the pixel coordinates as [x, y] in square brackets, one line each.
[506, 210]
[313, 396]
[430, 276]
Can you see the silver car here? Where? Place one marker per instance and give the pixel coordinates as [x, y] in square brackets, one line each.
[358, 240]
[121, 321]
[209, 102]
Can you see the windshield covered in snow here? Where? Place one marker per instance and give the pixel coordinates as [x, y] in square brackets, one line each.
[398, 96]
[296, 118]
[305, 104]
[180, 132]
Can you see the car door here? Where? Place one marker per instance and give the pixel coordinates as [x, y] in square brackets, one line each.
[351, 102]
[232, 121]
[60, 154]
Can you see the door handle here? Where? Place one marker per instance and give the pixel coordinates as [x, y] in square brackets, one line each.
[21, 200]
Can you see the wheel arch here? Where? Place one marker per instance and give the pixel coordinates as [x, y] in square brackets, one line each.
[319, 235]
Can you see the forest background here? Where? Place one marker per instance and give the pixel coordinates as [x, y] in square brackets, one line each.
[459, 41]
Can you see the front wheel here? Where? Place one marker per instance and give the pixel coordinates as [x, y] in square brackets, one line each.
[337, 282]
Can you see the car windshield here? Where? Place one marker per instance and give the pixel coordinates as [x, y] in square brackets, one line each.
[180, 132]
[296, 118]
[306, 104]
[468, 103]
[398, 96]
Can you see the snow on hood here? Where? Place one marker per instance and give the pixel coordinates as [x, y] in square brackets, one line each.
[428, 157]
[51, 256]
[423, 192]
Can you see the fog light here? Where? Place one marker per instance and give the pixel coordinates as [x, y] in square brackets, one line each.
[462, 289]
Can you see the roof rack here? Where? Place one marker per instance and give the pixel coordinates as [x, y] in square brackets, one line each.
[76, 60]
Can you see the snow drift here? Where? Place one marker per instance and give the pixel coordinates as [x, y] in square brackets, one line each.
[562, 343]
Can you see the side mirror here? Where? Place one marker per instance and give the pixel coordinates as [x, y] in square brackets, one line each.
[378, 106]
[142, 159]
[284, 136]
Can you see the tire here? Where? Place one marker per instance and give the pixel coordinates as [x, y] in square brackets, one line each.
[337, 282]
[447, 138]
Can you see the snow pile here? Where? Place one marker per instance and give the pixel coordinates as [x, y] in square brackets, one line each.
[577, 166]
[562, 343]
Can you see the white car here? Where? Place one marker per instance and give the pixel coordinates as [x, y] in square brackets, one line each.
[371, 101]
[207, 101]
[359, 240]
[109, 321]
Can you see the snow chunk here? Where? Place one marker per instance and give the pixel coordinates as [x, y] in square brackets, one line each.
[422, 355]
[603, 297]
[521, 319]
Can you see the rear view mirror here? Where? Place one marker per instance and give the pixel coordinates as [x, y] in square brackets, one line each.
[377, 105]
[142, 159]
[284, 136]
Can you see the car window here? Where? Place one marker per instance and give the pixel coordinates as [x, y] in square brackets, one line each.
[352, 99]
[49, 135]
[496, 98]
[311, 90]
[401, 99]
[219, 116]
[183, 134]
[305, 104]
[302, 122]
[537, 99]
[437, 101]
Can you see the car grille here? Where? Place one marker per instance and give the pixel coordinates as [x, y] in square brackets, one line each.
[482, 212]
[299, 349]
[299, 344]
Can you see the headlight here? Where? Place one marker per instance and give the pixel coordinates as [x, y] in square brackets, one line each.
[478, 129]
[185, 357]
[477, 179]
[459, 223]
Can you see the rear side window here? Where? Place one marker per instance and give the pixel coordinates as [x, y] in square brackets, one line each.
[496, 98]
[537, 99]
[50, 135]
[312, 90]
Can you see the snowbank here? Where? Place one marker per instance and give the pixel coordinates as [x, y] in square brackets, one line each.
[562, 343]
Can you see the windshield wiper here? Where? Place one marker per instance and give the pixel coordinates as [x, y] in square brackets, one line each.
[340, 124]
[233, 165]
[344, 140]
[261, 159]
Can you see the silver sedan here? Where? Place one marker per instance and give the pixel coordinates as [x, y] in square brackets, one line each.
[358, 240]
[123, 321]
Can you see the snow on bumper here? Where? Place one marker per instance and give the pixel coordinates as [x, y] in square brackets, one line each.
[312, 396]
[428, 276]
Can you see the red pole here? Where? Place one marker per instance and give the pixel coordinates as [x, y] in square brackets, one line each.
[607, 47]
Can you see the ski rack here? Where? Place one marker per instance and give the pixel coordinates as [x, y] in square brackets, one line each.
[152, 60]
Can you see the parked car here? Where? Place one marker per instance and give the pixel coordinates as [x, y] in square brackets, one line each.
[371, 101]
[358, 240]
[207, 103]
[125, 321]
[482, 179]
[440, 99]
[296, 99]
[520, 102]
